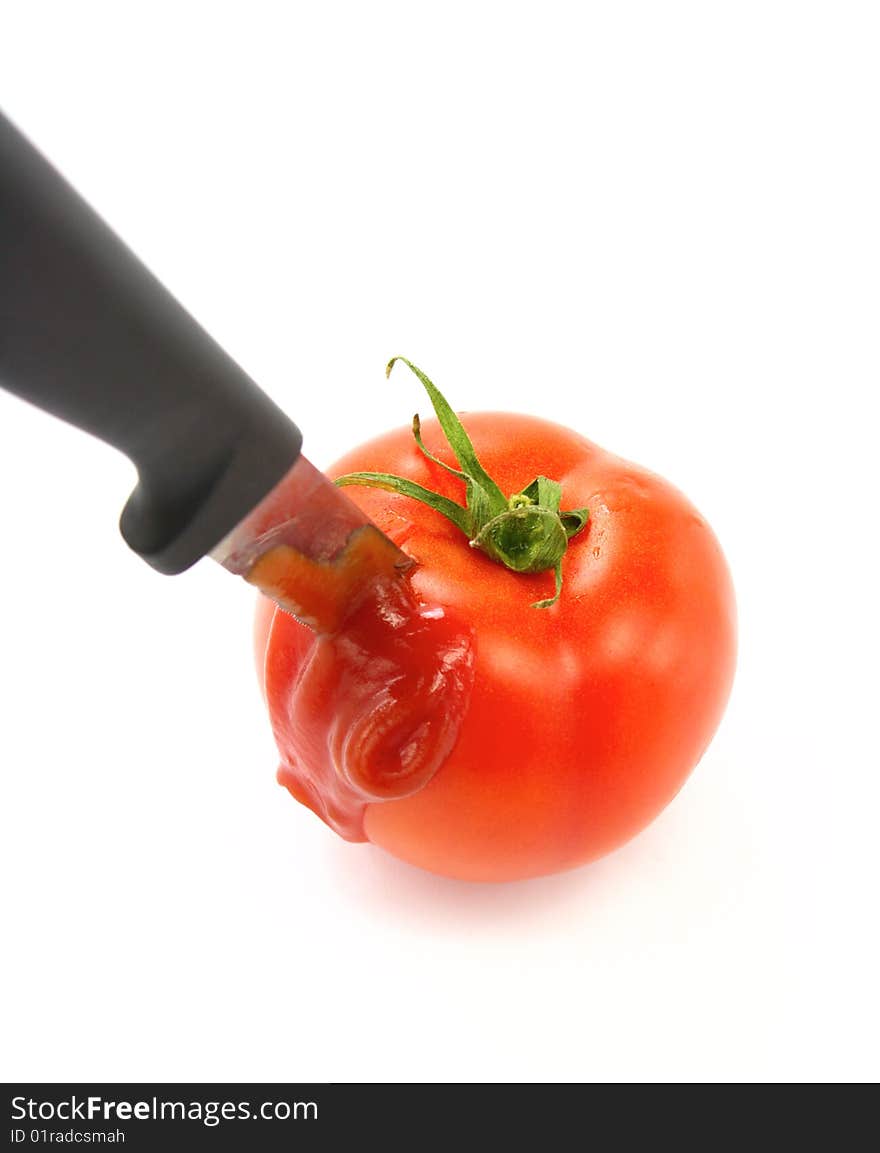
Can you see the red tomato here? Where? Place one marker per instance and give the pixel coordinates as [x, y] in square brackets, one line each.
[585, 718]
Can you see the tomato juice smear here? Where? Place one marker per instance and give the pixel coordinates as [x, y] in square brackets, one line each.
[368, 706]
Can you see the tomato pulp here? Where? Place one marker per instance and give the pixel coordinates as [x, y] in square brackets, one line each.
[370, 709]
[571, 726]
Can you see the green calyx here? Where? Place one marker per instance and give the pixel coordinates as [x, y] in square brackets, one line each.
[525, 532]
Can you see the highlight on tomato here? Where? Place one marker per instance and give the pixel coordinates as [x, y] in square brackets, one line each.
[538, 685]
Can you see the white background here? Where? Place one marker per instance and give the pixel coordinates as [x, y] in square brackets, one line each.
[655, 222]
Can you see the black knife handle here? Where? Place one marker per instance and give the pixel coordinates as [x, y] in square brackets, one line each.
[88, 334]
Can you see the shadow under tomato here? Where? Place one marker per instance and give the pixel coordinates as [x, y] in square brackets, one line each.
[396, 890]
[703, 824]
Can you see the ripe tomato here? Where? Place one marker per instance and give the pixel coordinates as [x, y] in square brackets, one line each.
[585, 717]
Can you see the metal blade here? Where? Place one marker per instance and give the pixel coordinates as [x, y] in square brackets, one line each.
[308, 514]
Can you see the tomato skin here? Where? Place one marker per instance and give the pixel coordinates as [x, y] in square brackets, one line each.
[585, 718]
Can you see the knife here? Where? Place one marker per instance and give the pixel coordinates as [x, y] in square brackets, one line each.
[88, 334]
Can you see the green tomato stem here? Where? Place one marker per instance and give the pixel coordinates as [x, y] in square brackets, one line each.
[525, 532]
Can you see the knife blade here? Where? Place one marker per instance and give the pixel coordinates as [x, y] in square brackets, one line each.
[90, 335]
[309, 550]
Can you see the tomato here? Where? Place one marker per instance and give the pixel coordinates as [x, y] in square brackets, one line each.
[583, 715]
